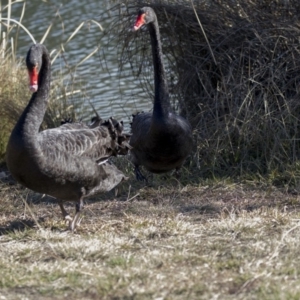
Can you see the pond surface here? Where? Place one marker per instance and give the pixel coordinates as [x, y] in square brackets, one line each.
[99, 80]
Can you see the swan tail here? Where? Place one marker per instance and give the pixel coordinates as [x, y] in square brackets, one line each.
[120, 140]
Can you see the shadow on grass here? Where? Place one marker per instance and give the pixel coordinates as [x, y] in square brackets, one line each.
[18, 225]
[161, 197]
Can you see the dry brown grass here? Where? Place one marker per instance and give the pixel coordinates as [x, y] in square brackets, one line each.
[13, 80]
[206, 241]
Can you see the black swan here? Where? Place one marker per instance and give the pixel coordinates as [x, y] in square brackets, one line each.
[68, 162]
[161, 140]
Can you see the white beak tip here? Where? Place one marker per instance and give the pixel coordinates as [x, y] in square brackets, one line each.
[33, 88]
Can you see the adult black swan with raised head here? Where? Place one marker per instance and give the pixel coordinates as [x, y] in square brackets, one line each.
[161, 140]
[68, 162]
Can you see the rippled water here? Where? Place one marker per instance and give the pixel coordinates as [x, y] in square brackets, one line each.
[112, 93]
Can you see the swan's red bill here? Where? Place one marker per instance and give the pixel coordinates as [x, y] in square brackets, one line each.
[33, 79]
[140, 21]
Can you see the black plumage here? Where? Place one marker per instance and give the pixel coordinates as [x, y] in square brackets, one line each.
[68, 162]
[161, 140]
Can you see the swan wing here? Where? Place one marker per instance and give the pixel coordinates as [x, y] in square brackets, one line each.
[139, 128]
[71, 126]
[95, 143]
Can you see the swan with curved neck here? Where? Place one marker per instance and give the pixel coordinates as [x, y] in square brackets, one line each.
[161, 140]
[68, 162]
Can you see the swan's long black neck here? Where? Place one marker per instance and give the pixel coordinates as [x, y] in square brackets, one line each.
[32, 117]
[161, 96]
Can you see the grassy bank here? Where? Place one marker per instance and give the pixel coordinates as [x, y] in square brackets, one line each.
[212, 241]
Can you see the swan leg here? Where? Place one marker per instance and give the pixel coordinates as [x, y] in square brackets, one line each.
[177, 173]
[66, 216]
[75, 220]
[138, 174]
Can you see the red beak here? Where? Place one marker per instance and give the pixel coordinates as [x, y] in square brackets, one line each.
[33, 79]
[140, 21]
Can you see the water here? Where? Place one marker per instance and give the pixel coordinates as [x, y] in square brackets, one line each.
[111, 92]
